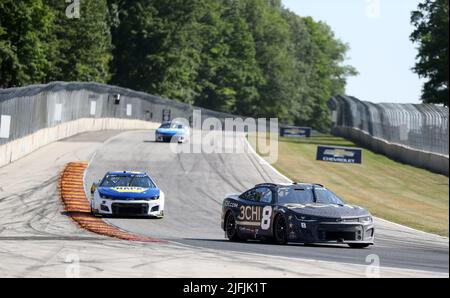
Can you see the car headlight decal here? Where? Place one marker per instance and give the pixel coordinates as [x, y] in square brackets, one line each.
[366, 219]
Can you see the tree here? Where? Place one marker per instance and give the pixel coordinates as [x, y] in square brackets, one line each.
[80, 48]
[24, 27]
[252, 57]
[156, 47]
[248, 57]
[327, 76]
[272, 43]
[431, 33]
[229, 74]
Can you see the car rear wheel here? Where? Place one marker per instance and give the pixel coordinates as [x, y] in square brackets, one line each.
[231, 228]
[280, 230]
[358, 245]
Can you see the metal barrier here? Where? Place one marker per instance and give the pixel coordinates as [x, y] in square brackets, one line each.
[411, 133]
[34, 116]
[29, 109]
[414, 134]
[419, 126]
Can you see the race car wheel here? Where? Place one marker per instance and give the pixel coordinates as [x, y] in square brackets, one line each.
[358, 245]
[161, 215]
[231, 228]
[280, 230]
[95, 213]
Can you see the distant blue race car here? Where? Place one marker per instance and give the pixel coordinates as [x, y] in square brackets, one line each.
[172, 131]
[127, 194]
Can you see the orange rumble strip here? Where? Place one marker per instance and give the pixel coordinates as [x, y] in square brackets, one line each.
[77, 205]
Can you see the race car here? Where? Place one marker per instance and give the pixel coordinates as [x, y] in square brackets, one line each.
[172, 131]
[127, 194]
[301, 213]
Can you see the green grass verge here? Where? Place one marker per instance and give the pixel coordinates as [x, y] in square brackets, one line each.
[390, 190]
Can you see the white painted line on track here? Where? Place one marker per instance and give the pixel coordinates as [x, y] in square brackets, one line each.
[412, 229]
[262, 161]
[362, 267]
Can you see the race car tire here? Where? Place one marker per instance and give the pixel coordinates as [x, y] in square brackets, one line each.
[280, 230]
[94, 213]
[231, 228]
[161, 215]
[358, 245]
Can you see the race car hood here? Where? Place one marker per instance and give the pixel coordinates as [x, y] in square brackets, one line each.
[169, 131]
[328, 211]
[129, 192]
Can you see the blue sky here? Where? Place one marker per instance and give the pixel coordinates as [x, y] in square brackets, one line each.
[378, 34]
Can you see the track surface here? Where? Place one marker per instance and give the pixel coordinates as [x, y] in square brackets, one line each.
[195, 185]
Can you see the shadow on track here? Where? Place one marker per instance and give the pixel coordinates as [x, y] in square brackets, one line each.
[268, 243]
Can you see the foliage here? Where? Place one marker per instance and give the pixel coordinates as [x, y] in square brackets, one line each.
[24, 26]
[431, 33]
[249, 57]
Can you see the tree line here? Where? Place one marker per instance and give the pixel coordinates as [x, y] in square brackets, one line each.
[247, 57]
[431, 35]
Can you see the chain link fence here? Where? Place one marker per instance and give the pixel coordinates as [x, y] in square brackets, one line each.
[32, 108]
[422, 127]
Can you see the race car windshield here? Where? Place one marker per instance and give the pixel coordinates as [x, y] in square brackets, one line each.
[299, 195]
[127, 181]
[324, 196]
[170, 125]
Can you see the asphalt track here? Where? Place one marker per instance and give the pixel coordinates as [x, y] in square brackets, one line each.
[195, 185]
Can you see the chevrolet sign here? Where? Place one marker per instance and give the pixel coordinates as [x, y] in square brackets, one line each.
[296, 132]
[339, 154]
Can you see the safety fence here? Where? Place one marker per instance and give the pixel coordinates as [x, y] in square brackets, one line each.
[411, 133]
[29, 109]
[40, 114]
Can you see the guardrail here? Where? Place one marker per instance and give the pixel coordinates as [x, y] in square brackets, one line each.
[415, 134]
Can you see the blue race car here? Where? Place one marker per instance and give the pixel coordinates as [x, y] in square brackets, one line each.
[127, 194]
[172, 131]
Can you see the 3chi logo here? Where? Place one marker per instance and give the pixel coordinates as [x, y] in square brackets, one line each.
[257, 214]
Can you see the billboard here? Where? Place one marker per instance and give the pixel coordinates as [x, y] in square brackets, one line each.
[296, 132]
[339, 154]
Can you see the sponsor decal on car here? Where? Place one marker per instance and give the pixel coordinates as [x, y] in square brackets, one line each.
[231, 204]
[255, 216]
[129, 189]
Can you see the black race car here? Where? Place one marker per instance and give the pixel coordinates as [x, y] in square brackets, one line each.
[302, 213]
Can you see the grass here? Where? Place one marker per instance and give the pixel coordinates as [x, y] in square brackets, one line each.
[390, 190]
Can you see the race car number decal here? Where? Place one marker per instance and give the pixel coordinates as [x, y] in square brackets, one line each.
[267, 215]
[256, 216]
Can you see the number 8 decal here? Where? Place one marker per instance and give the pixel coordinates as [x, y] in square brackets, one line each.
[266, 217]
